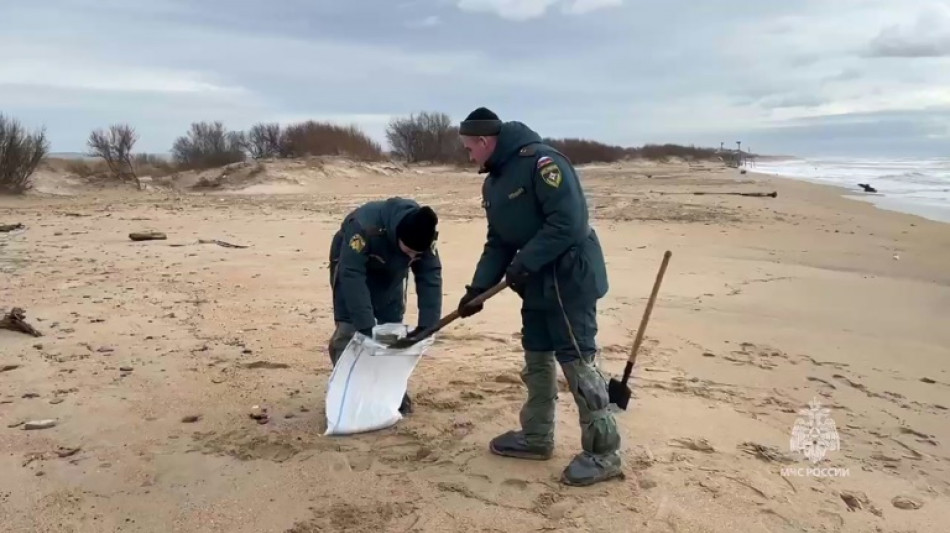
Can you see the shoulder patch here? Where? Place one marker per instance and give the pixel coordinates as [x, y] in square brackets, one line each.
[357, 243]
[545, 160]
[551, 174]
[527, 151]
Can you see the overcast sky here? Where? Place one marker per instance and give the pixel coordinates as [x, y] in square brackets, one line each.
[806, 77]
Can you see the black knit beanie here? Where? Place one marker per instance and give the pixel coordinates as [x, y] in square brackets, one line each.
[417, 229]
[481, 122]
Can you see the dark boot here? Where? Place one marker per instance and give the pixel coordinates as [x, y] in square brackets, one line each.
[513, 444]
[600, 438]
[587, 469]
[406, 406]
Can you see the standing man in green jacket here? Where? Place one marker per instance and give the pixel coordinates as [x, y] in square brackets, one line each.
[370, 259]
[539, 240]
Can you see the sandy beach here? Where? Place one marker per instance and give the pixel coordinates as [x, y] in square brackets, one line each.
[153, 354]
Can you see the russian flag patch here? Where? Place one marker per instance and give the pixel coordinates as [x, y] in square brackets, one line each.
[544, 161]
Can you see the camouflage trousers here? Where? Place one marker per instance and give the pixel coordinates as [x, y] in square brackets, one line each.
[599, 435]
[565, 336]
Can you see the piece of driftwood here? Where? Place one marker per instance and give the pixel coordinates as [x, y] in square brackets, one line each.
[750, 194]
[15, 320]
[10, 227]
[148, 236]
[220, 243]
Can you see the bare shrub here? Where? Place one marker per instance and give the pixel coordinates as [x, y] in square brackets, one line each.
[264, 141]
[583, 151]
[115, 148]
[428, 136]
[667, 151]
[319, 138]
[84, 168]
[20, 154]
[208, 145]
[153, 165]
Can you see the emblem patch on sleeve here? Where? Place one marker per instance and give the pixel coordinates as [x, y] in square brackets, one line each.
[357, 243]
[551, 174]
[543, 161]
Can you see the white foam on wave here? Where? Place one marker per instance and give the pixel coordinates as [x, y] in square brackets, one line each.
[916, 186]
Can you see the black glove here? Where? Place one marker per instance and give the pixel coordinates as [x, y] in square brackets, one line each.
[517, 277]
[368, 332]
[466, 310]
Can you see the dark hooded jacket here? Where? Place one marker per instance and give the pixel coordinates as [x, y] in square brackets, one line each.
[368, 270]
[538, 217]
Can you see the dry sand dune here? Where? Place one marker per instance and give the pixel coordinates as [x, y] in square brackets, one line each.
[153, 354]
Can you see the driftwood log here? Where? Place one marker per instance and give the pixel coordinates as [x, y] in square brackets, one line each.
[148, 236]
[750, 194]
[10, 227]
[220, 243]
[15, 320]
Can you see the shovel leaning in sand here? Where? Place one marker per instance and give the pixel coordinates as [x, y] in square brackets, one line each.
[619, 391]
[406, 342]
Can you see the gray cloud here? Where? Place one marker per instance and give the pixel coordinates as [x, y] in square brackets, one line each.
[928, 36]
[792, 100]
[890, 45]
[621, 72]
[880, 134]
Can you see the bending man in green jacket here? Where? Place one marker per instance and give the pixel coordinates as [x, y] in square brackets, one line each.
[539, 240]
[370, 258]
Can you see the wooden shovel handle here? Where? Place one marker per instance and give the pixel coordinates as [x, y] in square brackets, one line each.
[451, 317]
[649, 309]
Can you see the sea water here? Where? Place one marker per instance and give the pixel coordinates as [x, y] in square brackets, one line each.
[916, 186]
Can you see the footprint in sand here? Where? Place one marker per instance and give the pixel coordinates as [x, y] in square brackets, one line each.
[376, 516]
[445, 400]
[251, 444]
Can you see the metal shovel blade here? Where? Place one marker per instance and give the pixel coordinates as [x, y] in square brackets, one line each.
[619, 393]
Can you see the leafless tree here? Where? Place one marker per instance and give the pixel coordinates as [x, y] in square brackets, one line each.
[424, 137]
[208, 145]
[265, 140]
[115, 148]
[20, 154]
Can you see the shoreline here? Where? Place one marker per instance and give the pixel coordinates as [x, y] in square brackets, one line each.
[933, 213]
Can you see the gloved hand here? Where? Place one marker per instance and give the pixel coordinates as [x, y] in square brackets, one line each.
[367, 332]
[466, 310]
[517, 277]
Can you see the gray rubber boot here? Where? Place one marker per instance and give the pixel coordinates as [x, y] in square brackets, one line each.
[513, 444]
[600, 439]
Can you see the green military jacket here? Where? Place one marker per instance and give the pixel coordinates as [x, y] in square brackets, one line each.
[368, 269]
[537, 216]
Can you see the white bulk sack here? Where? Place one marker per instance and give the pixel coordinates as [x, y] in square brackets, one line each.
[369, 380]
